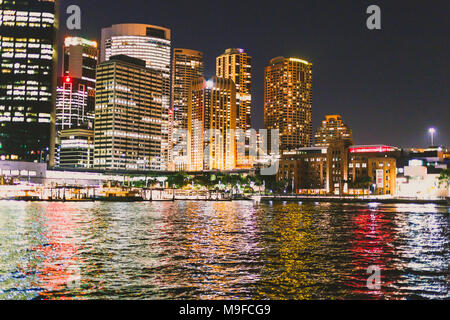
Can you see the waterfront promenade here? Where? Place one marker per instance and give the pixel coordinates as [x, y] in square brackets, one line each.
[119, 194]
[349, 199]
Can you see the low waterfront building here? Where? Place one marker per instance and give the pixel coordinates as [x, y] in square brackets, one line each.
[25, 171]
[374, 166]
[419, 181]
[306, 167]
[341, 169]
[434, 158]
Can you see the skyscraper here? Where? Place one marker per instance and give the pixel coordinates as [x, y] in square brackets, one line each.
[288, 101]
[75, 100]
[236, 65]
[72, 104]
[27, 79]
[153, 45]
[332, 128]
[187, 66]
[212, 124]
[80, 59]
[128, 115]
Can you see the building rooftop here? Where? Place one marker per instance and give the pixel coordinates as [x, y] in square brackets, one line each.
[128, 59]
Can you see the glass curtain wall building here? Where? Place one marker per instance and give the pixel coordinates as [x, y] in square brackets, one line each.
[27, 79]
[153, 45]
[127, 115]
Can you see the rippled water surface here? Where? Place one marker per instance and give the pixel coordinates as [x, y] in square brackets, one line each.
[223, 250]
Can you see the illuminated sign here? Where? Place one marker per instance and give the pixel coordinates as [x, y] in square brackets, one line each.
[370, 149]
[380, 179]
[67, 79]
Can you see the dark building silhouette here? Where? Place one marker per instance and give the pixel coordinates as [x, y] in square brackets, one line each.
[27, 79]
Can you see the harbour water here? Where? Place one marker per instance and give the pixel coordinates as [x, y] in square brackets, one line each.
[222, 250]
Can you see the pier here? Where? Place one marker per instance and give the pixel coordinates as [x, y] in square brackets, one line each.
[117, 194]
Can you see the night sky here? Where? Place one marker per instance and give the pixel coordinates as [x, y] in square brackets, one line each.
[390, 85]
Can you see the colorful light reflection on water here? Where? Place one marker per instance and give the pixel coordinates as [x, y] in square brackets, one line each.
[223, 250]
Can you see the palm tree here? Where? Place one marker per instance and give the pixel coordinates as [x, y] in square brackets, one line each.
[444, 178]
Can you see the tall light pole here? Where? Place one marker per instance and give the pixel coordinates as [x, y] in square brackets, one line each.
[432, 131]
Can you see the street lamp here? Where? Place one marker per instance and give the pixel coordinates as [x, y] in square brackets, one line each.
[432, 131]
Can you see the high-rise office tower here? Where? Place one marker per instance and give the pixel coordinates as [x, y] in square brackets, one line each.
[80, 59]
[236, 65]
[153, 45]
[75, 100]
[187, 65]
[27, 79]
[288, 101]
[332, 128]
[75, 93]
[72, 109]
[128, 114]
[212, 125]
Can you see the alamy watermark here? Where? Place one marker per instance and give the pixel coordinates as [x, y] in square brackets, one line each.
[74, 17]
[374, 280]
[199, 149]
[374, 20]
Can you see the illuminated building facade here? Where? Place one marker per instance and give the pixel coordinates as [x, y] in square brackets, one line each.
[341, 169]
[288, 101]
[80, 60]
[337, 167]
[76, 148]
[153, 45]
[376, 164]
[72, 110]
[211, 125]
[236, 65]
[332, 128]
[306, 167]
[27, 79]
[188, 65]
[128, 115]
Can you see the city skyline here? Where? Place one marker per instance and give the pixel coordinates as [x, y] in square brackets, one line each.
[347, 81]
[228, 151]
